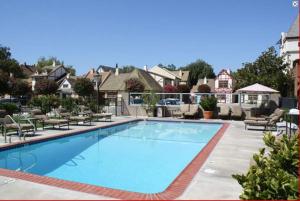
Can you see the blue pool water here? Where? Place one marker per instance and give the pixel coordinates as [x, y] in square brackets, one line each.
[143, 156]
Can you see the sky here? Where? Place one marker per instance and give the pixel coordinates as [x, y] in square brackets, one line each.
[89, 33]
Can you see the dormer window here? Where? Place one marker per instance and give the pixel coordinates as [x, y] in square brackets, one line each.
[223, 83]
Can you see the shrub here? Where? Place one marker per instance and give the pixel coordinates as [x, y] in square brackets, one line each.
[10, 108]
[69, 104]
[209, 103]
[170, 88]
[150, 101]
[84, 87]
[45, 87]
[204, 88]
[183, 89]
[275, 175]
[45, 102]
[134, 85]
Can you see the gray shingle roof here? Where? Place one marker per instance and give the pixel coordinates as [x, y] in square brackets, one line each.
[294, 29]
[117, 83]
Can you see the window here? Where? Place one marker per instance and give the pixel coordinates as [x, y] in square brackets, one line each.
[223, 83]
[65, 85]
[221, 98]
[252, 98]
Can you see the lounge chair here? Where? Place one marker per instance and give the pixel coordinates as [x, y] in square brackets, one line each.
[236, 112]
[10, 124]
[277, 112]
[45, 120]
[266, 123]
[193, 111]
[183, 109]
[84, 116]
[98, 116]
[224, 112]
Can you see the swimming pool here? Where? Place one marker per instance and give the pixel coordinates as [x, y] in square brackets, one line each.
[142, 156]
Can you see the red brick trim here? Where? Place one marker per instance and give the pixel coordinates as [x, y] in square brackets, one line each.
[175, 189]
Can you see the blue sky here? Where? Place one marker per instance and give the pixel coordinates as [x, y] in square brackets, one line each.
[85, 34]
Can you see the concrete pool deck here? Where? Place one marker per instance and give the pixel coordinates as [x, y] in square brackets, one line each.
[213, 181]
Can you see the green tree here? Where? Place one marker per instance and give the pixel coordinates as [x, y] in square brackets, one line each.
[170, 67]
[20, 88]
[268, 69]
[43, 61]
[3, 83]
[45, 87]
[198, 70]
[8, 64]
[127, 69]
[84, 87]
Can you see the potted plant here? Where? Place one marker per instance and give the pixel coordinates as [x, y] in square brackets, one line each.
[149, 103]
[208, 103]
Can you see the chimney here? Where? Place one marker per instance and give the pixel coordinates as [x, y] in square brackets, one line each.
[11, 75]
[180, 73]
[117, 70]
[145, 68]
[68, 75]
[228, 71]
[205, 80]
[53, 64]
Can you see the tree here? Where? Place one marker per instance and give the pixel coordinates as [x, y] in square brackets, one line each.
[268, 69]
[170, 89]
[84, 87]
[9, 65]
[170, 67]
[42, 62]
[127, 69]
[198, 70]
[204, 88]
[3, 83]
[134, 85]
[20, 88]
[45, 87]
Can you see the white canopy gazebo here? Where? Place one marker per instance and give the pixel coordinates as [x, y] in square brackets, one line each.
[257, 89]
[255, 93]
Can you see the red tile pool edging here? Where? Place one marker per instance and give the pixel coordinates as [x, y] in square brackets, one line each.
[175, 189]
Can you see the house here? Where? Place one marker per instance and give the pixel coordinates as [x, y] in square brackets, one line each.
[296, 73]
[92, 74]
[54, 72]
[209, 82]
[222, 85]
[289, 48]
[115, 85]
[66, 86]
[164, 76]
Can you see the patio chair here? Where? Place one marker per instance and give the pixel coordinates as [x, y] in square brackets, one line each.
[183, 109]
[224, 112]
[45, 120]
[10, 124]
[277, 112]
[103, 115]
[84, 116]
[267, 123]
[236, 112]
[193, 111]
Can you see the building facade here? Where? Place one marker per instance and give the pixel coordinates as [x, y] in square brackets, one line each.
[289, 48]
